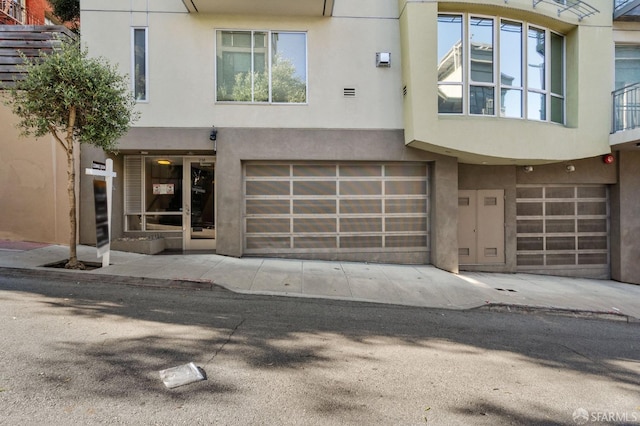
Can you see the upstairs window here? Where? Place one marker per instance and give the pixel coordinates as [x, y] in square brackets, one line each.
[261, 66]
[139, 64]
[498, 67]
[627, 65]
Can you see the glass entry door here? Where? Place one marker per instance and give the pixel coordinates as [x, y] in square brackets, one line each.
[199, 203]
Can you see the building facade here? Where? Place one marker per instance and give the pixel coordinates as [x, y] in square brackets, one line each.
[26, 12]
[467, 135]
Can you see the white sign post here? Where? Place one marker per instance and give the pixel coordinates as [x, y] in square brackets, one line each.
[107, 172]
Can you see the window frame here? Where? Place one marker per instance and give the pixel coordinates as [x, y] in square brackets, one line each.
[269, 63]
[138, 190]
[134, 75]
[497, 85]
[469, 58]
[523, 65]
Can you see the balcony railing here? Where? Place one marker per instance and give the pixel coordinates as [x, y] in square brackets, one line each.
[626, 108]
[14, 13]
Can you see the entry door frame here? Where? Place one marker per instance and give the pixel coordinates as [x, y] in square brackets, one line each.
[189, 243]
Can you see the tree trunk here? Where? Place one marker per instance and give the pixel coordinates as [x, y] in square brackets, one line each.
[73, 262]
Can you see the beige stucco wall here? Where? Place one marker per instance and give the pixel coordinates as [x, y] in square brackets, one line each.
[33, 193]
[182, 64]
[494, 140]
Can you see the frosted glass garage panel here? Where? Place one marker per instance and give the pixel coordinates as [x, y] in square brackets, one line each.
[406, 187]
[261, 206]
[361, 206]
[267, 226]
[405, 205]
[314, 206]
[268, 187]
[271, 170]
[314, 188]
[360, 188]
[314, 170]
[360, 170]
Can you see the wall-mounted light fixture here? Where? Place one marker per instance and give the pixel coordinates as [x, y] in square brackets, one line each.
[571, 168]
[213, 136]
[383, 59]
[164, 162]
[527, 169]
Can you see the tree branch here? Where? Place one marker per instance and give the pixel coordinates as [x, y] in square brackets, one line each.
[53, 131]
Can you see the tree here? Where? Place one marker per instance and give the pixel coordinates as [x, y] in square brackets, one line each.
[68, 11]
[78, 100]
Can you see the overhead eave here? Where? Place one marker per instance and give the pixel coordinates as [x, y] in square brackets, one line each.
[261, 7]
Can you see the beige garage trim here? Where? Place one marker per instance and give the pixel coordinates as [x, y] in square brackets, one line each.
[335, 207]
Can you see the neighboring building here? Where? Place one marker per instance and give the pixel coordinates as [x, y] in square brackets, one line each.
[468, 135]
[26, 12]
[33, 172]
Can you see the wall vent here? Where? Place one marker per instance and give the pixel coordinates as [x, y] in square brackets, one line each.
[404, 91]
[349, 92]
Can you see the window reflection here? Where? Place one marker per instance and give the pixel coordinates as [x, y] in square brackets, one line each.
[450, 59]
[511, 69]
[255, 66]
[536, 106]
[481, 50]
[467, 70]
[536, 59]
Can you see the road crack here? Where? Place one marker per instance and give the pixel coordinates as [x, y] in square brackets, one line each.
[229, 337]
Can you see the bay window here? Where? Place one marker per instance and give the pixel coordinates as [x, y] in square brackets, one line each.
[261, 66]
[479, 57]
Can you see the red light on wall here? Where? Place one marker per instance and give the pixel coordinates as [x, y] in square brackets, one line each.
[608, 159]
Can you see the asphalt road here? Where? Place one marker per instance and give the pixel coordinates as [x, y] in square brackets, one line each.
[88, 353]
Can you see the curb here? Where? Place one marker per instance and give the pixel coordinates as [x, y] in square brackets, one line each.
[550, 310]
[87, 276]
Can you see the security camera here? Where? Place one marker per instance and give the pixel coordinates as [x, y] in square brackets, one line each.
[214, 134]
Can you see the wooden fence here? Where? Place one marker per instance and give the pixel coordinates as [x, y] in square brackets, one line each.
[30, 40]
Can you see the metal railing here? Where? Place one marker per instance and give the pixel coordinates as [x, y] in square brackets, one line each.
[626, 108]
[14, 13]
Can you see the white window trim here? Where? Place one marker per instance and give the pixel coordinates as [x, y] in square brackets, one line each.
[523, 69]
[146, 63]
[494, 64]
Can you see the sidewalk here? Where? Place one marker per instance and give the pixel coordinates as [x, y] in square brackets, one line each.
[410, 285]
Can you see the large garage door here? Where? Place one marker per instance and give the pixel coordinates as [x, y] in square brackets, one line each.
[563, 229]
[335, 208]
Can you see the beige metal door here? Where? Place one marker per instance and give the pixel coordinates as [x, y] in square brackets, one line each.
[481, 226]
[199, 203]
